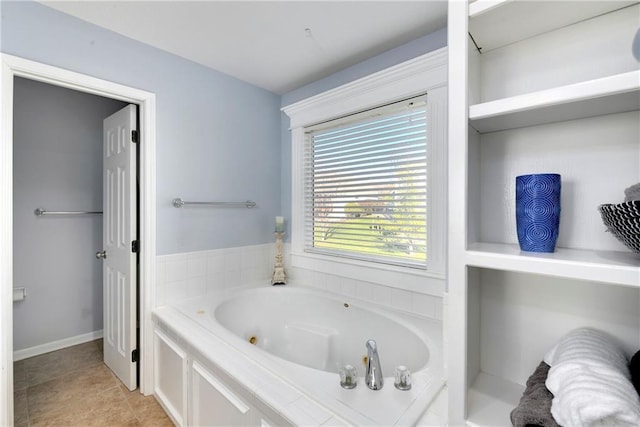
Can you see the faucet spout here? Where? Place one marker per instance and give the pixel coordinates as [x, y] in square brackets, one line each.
[373, 376]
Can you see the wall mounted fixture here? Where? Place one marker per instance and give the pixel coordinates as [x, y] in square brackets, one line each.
[41, 212]
[178, 203]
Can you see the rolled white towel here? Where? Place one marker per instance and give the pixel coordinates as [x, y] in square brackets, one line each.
[589, 379]
[632, 193]
[588, 345]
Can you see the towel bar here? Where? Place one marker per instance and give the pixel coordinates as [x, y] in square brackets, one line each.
[178, 203]
[41, 212]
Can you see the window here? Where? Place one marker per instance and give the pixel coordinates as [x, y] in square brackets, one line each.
[366, 185]
[367, 201]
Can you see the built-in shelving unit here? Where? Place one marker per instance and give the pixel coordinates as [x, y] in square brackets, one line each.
[536, 87]
[491, 398]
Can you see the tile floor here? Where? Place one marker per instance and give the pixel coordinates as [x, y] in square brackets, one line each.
[73, 387]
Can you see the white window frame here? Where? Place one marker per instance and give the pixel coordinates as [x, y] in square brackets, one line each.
[426, 73]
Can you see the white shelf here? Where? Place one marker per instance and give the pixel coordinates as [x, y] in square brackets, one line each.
[491, 400]
[622, 268]
[608, 95]
[479, 7]
[497, 23]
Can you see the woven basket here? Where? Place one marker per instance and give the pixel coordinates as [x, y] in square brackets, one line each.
[623, 221]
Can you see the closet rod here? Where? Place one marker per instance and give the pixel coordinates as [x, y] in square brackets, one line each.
[40, 212]
[178, 203]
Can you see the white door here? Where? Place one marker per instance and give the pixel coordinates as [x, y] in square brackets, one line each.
[119, 233]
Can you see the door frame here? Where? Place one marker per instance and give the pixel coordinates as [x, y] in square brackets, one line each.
[13, 66]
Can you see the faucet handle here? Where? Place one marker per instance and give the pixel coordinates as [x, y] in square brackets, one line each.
[348, 376]
[402, 378]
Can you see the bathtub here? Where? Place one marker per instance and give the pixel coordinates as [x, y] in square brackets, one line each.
[303, 337]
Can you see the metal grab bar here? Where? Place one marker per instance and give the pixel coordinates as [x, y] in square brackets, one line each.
[178, 203]
[41, 212]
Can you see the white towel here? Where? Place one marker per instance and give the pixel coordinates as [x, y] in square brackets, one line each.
[589, 379]
[587, 345]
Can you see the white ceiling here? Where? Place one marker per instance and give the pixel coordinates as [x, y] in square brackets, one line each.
[266, 43]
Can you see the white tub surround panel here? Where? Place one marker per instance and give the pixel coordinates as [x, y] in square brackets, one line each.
[170, 385]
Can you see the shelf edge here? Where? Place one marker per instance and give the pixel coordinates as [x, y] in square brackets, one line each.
[606, 86]
[624, 275]
[479, 7]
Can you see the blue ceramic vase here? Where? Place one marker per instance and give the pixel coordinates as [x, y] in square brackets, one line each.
[538, 211]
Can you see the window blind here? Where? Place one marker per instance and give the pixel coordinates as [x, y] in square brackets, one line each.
[366, 185]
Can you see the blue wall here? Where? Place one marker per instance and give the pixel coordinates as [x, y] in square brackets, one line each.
[413, 49]
[218, 138]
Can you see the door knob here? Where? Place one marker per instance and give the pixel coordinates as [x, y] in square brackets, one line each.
[101, 254]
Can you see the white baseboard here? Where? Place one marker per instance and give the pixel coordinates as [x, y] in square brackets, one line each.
[55, 345]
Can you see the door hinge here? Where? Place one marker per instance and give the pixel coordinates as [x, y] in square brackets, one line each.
[134, 355]
[134, 246]
[134, 136]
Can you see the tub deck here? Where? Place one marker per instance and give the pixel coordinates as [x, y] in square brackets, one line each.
[303, 395]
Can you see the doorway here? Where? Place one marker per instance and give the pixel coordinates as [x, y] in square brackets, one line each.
[59, 213]
[18, 67]
[57, 168]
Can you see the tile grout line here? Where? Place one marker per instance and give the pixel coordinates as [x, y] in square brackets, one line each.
[26, 396]
[124, 396]
[133, 411]
[62, 361]
[57, 377]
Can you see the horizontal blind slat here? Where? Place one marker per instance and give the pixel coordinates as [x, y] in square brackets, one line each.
[415, 144]
[383, 181]
[370, 139]
[381, 165]
[418, 116]
[363, 193]
[365, 188]
[364, 161]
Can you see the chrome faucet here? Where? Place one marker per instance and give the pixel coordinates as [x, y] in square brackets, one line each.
[373, 376]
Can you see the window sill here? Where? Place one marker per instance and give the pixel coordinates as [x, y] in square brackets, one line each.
[406, 278]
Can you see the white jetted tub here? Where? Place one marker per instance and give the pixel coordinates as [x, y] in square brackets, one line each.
[304, 337]
[320, 332]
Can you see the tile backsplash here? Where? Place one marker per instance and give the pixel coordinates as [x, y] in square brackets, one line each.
[192, 274]
[421, 304]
